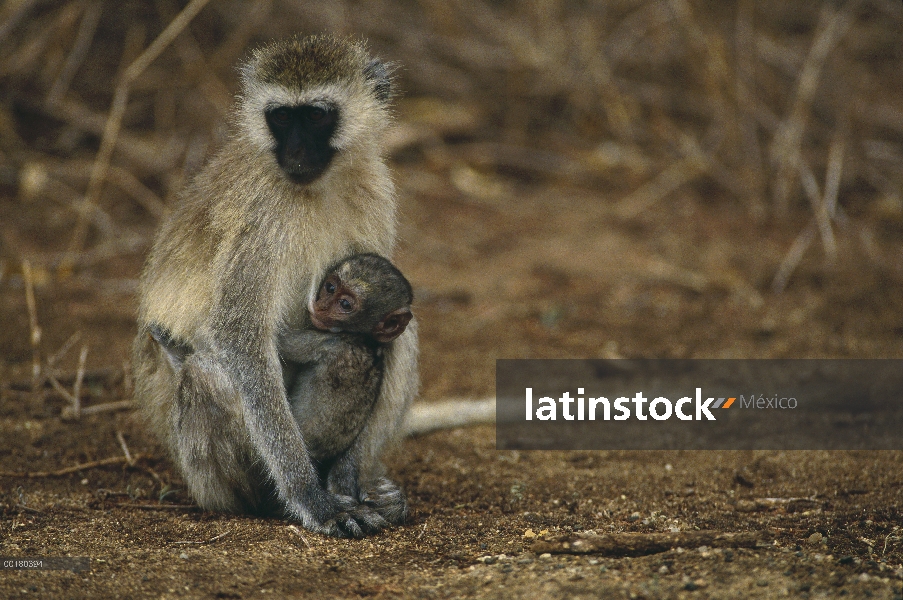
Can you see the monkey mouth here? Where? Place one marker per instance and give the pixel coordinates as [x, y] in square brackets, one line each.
[302, 175]
[318, 323]
[305, 170]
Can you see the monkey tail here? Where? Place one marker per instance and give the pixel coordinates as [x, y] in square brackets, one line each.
[448, 414]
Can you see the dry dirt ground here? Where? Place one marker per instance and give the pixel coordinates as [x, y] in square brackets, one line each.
[538, 275]
[512, 255]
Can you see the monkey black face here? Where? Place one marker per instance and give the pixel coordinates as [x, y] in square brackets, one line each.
[302, 135]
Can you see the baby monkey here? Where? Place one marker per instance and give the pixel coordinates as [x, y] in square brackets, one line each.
[334, 371]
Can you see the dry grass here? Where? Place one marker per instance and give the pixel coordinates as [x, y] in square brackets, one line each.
[774, 106]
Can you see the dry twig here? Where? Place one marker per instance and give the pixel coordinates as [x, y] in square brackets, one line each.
[820, 212]
[787, 141]
[86, 30]
[294, 529]
[27, 508]
[679, 173]
[115, 460]
[792, 258]
[188, 507]
[77, 387]
[108, 407]
[146, 156]
[59, 354]
[125, 449]
[203, 542]
[69, 411]
[35, 337]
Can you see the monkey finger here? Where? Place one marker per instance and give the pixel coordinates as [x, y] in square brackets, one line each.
[370, 520]
[348, 526]
[366, 518]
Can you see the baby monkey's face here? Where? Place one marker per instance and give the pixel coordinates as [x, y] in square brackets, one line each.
[337, 307]
[341, 306]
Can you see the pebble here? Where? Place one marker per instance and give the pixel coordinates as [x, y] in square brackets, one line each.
[815, 538]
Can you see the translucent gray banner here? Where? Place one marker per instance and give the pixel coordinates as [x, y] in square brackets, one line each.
[663, 404]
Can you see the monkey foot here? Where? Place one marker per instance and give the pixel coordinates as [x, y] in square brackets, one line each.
[361, 520]
[343, 517]
[387, 499]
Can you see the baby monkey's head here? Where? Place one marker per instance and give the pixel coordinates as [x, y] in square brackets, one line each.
[364, 294]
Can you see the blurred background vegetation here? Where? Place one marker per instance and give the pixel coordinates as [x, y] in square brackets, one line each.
[784, 114]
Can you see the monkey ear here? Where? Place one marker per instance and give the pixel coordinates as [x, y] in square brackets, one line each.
[378, 74]
[392, 326]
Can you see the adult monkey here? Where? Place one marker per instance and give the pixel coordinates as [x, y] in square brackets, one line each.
[300, 184]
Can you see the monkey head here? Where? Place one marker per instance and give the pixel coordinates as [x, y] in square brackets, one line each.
[364, 294]
[307, 100]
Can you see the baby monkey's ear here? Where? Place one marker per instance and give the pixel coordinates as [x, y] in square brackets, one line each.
[392, 326]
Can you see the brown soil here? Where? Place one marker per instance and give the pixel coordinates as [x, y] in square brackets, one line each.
[506, 263]
[538, 255]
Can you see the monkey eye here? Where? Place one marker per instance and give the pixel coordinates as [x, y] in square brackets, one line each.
[345, 304]
[281, 117]
[316, 114]
[330, 287]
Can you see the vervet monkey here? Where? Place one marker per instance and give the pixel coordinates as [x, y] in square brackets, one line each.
[334, 371]
[300, 184]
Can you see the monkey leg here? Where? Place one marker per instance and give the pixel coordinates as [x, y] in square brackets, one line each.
[221, 467]
[279, 444]
[342, 480]
[331, 416]
[383, 498]
[209, 439]
[187, 406]
[399, 386]
[331, 400]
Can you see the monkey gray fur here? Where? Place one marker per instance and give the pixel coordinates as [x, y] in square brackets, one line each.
[334, 372]
[300, 184]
